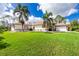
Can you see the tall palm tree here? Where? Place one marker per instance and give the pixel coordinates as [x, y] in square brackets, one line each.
[24, 12]
[52, 24]
[59, 19]
[48, 21]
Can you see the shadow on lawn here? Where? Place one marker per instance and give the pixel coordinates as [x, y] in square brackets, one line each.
[3, 44]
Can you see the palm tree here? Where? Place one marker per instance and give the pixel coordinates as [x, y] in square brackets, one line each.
[48, 20]
[59, 19]
[24, 12]
[52, 24]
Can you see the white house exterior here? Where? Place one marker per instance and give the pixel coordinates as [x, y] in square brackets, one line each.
[61, 27]
[38, 26]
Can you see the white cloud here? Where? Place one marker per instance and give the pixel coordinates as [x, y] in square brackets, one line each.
[57, 8]
[9, 13]
[72, 11]
[4, 7]
[34, 19]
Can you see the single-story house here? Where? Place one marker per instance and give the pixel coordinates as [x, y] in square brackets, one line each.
[37, 26]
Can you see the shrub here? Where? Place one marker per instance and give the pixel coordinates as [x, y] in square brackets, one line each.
[3, 28]
[31, 29]
[74, 28]
[50, 29]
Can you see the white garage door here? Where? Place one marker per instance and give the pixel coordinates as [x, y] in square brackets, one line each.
[63, 28]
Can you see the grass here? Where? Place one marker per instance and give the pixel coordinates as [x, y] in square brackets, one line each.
[40, 44]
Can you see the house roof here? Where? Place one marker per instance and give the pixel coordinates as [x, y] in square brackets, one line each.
[38, 22]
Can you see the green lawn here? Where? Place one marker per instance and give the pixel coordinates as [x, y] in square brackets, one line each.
[40, 44]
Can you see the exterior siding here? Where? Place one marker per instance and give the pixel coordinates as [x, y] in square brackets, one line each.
[61, 28]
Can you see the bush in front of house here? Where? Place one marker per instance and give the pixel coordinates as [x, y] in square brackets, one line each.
[3, 28]
[74, 28]
[50, 29]
[31, 29]
[2, 43]
[74, 25]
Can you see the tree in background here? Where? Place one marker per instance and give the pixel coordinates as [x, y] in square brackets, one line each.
[74, 24]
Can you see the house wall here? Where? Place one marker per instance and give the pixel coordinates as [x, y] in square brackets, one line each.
[18, 28]
[61, 28]
[12, 29]
[39, 28]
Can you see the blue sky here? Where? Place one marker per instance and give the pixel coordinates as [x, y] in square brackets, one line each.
[74, 16]
[69, 11]
[32, 9]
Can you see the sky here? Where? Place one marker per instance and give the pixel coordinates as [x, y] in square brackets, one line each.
[68, 10]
